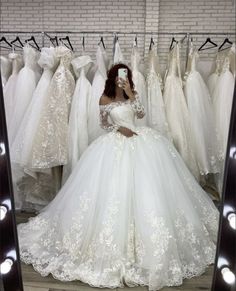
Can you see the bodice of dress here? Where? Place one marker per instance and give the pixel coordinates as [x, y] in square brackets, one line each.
[135, 59]
[81, 65]
[102, 61]
[47, 59]
[121, 113]
[65, 55]
[174, 63]
[30, 56]
[153, 68]
[17, 62]
[5, 68]
[118, 56]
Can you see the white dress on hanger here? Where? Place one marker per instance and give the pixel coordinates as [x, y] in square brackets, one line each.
[50, 144]
[9, 91]
[33, 189]
[214, 77]
[98, 86]
[6, 68]
[25, 86]
[118, 56]
[177, 111]
[117, 220]
[139, 84]
[203, 132]
[222, 102]
[78, 121]
[156, 108]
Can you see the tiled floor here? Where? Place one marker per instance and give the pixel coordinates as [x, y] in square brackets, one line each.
[33, 281]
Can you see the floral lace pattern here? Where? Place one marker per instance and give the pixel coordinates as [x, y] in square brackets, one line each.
[106, 109]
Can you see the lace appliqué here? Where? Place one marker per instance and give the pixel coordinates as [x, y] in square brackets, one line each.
[104, 123]
[137, 106]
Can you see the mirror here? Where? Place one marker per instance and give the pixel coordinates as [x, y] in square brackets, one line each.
[92, 220]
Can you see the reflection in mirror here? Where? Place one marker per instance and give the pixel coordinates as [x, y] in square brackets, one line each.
[120, 184]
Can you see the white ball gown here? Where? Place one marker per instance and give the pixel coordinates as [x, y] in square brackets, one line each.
[201, 119]
[31, 188]
[177, 111]
[78, 120]
[25, 86]
[118, 220]
[98, 86]
[9, 91]
[155, 104]
[6, 67]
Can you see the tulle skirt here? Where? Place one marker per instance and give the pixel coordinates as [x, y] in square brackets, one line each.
[130, 213]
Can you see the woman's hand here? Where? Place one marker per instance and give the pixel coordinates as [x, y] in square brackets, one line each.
[126, 131]
[126, 87]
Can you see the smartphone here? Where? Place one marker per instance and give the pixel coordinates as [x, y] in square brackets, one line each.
[122, 73]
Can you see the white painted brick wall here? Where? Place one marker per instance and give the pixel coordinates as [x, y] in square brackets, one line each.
[122, 15]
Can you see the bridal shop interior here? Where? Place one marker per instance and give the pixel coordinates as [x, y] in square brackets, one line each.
[110, 180]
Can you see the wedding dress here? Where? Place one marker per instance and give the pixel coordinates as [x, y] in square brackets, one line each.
[32, 188]
[25, 86]
[222, 103]
[177, 111]
[6, 67]
[203, 132]
[78, 121]
[118, 220]
[155, 107]
[214, 77]
[98, 86]
[139, 83]
[9, 91]
[50, 146]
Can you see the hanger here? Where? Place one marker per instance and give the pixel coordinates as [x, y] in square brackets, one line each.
[3, 39]
[224, 42]
[172, 42]
[101, 41]
[151, 43]
[34, 41]
[17, 39]
[68, 41]
[208, 40]
[136, 41]
[54, 39]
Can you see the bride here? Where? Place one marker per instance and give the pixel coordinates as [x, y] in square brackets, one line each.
[130, 213]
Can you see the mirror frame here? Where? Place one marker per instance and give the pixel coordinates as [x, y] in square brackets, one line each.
[9, 247]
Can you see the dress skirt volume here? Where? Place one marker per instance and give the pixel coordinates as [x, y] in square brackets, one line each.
[130, 213]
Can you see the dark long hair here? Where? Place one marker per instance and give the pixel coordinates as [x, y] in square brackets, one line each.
[110, 86]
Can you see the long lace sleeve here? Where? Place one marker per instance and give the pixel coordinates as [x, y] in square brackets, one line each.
[104, 123]
[137, 106]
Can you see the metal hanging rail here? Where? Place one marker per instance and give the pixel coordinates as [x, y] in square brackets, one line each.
[117, 32]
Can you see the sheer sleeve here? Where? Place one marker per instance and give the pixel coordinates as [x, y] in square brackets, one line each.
[104, 123]
[137, 106]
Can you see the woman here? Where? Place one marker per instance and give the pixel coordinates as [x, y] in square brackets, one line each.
[130, 213]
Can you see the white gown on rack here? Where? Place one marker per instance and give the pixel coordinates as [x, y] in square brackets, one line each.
[222, 102]
[118, 220]
[202, 127]
[78, 121]
[214, 77]
[25, 86]
[156, 108]
[139, 83]
[32, 187]
[98, 87]
[9, 91]
[6, 68]
[50, 146]
[177, 111]
[118, 55]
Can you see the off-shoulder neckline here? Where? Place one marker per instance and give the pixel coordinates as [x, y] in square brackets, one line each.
[115, 102]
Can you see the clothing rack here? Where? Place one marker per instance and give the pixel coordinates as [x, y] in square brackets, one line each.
[116, 33]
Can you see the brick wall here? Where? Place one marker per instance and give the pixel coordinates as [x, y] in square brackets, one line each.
[120, 15]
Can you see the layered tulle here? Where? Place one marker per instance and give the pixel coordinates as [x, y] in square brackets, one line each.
[130, 212]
